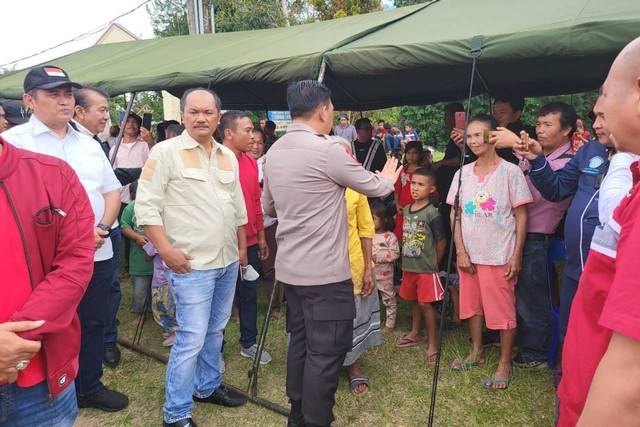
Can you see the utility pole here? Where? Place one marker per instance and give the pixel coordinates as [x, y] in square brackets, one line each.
[195, 17]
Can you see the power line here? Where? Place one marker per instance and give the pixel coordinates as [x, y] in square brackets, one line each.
[80, 37]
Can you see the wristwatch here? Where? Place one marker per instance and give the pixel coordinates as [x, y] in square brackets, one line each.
[104, 228]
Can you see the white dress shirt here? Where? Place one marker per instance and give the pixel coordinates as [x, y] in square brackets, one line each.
[82, 153]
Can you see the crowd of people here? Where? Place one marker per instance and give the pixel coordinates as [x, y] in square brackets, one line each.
[342, 219]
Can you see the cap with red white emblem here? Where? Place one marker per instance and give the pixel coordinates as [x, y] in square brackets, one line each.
[47, 77]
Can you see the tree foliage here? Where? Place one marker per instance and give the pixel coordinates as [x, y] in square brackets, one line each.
[168, 18]
[402, 3]
[333, 9]
[243, 15]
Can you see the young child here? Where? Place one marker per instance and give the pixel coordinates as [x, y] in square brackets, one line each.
[162, 305]
[423, 244]
[140, 269]
[385, 252]
[402, 193]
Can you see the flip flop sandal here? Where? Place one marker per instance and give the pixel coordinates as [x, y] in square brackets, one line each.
[495, 380]
[465, 364]
[356, 380]
[431, 359]
[404, 342]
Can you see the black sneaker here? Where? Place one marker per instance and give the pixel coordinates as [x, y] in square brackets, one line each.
[525, 362]
[187, 422]
[111, 356]
[224, 397]
[105, 399]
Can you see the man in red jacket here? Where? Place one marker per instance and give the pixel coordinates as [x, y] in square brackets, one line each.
[46, 259]
[236, 131]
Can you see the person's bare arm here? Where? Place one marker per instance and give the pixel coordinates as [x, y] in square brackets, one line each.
[242, 247]
[441, 246]
[452, 162]
[614, 396]
[515, 261]
[111, 210]
[175, 259]
[367, 252]
[138, 238]
[111, 207]
[463, 260]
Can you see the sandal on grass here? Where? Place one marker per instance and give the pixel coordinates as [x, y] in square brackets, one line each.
[464, 363]
[404, 341]
[495, 380]
[356, 380]
[431, 358]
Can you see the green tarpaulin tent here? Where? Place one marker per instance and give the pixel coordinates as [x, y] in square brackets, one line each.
[412, 55]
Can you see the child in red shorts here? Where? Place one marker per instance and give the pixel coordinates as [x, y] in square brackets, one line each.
[423, 244]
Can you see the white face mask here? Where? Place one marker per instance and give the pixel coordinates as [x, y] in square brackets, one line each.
[250, 274]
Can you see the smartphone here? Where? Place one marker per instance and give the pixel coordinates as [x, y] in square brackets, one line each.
[525, 141]
[461, 119]
[486, 135]
[146, 121]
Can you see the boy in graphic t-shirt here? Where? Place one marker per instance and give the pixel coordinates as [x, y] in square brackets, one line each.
[423, 245]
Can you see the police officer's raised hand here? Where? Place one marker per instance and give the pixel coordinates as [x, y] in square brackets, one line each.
[390, 170]
[177, 261]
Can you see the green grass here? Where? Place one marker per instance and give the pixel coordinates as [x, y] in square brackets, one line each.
[399, 395]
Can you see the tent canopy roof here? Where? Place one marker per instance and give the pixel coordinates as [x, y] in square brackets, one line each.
[412, 55]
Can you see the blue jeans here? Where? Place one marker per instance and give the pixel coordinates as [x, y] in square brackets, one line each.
[115, 296]
[247, 300]
[532, 301]
[92, 312]
[31, 406]
[567, 293]
[203, 301]
[141, 293]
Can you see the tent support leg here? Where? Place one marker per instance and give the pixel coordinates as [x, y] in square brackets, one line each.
[323, 68]
[251, 394]
[124, 120]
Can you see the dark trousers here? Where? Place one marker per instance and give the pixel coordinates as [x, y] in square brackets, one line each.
[533, 304]
[320, 320]
[127, 241]
[247, 300]
[92, 312]
[268, 265]
[115, 296]
[567, 293]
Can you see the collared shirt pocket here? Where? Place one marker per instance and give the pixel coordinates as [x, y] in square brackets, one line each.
[226, 177]
[196, 174]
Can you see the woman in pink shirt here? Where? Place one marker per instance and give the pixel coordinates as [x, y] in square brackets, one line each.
[489, 238]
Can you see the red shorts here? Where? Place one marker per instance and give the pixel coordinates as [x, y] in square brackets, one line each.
[425, 287]
[487, 293]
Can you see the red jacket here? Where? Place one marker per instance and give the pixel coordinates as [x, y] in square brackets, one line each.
[56, 224]
[252, 193]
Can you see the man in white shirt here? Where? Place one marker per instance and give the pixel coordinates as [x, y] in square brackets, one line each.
[48, 92]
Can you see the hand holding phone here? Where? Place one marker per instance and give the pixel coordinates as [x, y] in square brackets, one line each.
[146, 121]
[461, 119]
